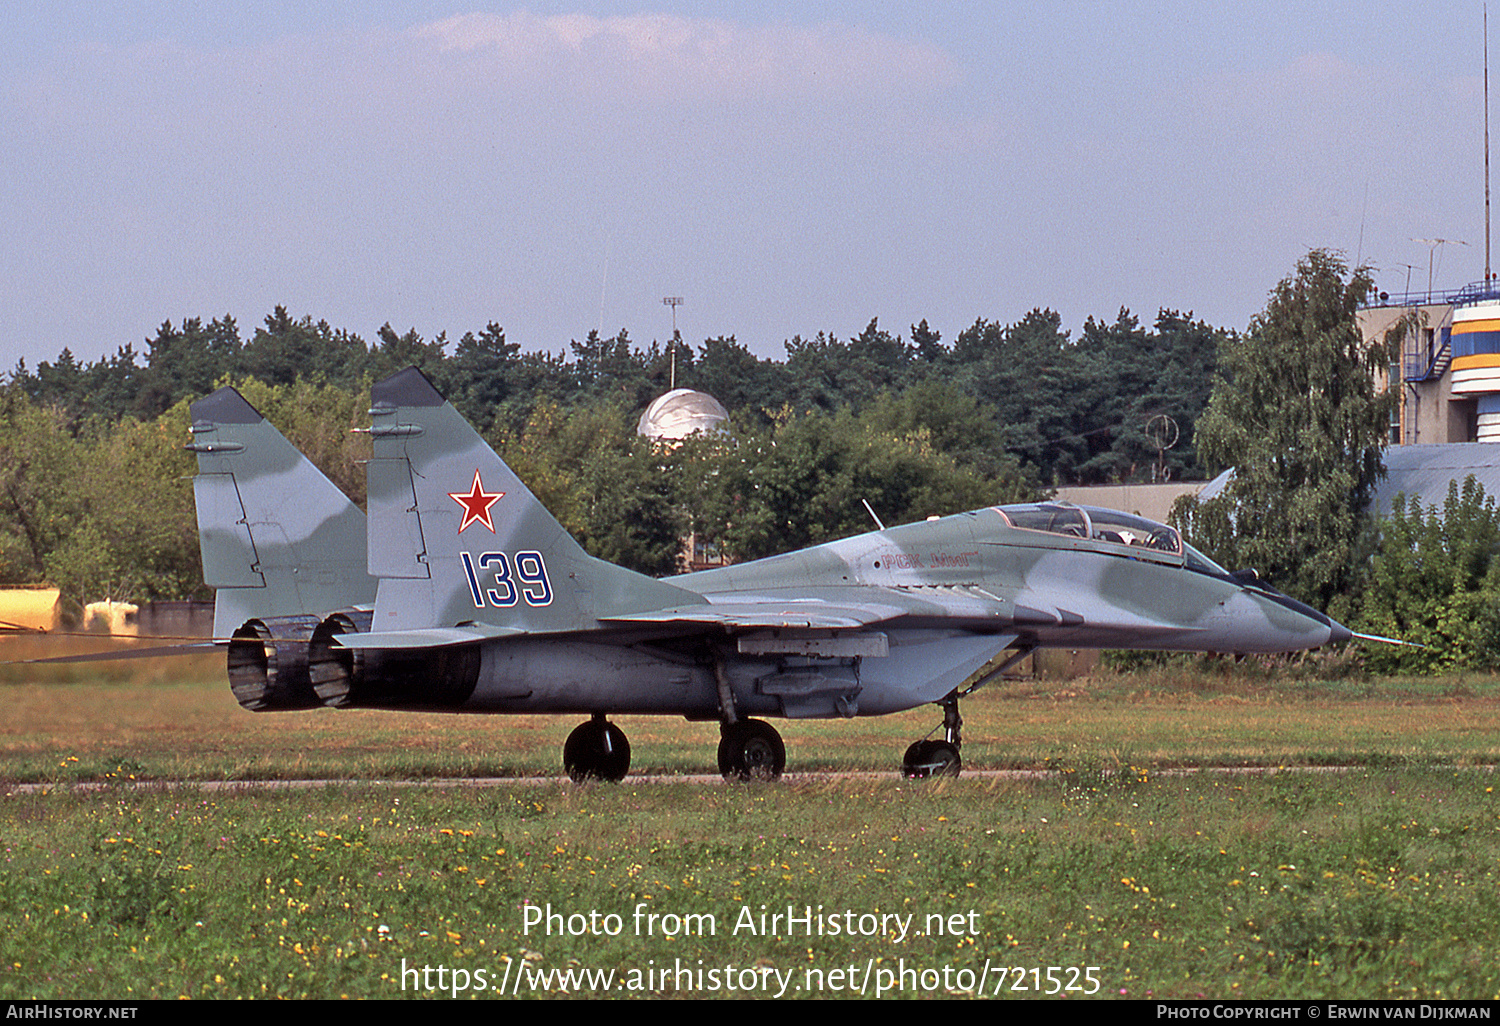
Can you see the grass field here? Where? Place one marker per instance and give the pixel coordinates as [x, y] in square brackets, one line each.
[1121, 877]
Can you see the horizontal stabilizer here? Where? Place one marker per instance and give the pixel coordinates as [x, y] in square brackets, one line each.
[428, 637]
[155, 652]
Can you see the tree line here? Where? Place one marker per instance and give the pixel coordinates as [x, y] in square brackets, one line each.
[94, 495]
[93, 481]
[1071, 411]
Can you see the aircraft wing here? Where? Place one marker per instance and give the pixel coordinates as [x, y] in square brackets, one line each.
[835, 608]
[843, 610]
[812, 613]
[745, 614]
[1084, 621]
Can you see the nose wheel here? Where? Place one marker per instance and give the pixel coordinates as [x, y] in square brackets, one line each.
[932, 758]
[596, 750]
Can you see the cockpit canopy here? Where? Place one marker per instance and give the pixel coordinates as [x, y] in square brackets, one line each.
[1109, 526]
[1105, 525]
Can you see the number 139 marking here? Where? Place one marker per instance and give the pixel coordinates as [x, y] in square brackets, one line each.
[528, 581]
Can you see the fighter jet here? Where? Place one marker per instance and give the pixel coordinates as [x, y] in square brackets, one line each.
[460, 592]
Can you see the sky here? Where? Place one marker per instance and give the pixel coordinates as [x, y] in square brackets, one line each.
[785, 168]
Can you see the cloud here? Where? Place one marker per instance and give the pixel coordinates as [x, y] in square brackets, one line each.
[480, 167]
[664, 56]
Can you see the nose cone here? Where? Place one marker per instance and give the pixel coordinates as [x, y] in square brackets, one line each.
[1309, 628]
[1338, 633]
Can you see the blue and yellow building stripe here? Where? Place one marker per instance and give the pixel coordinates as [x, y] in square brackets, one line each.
[1472, 339]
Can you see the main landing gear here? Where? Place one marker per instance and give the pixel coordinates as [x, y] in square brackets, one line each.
[748, 749]
[931, 758]
[597, 750]
[751, 750]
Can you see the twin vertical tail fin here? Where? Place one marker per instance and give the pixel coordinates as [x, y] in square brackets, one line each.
[457, 539]
[277, 536]
[456, 550]
[281, 544]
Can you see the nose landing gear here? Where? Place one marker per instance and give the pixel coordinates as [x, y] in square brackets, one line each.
[931, 758]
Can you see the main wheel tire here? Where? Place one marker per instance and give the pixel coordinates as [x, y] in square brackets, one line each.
[751, 750]
[596, 750]
[931, 759]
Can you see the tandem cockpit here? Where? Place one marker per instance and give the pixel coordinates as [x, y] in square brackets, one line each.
[1121, 533]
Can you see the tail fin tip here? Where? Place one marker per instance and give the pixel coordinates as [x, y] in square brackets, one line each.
[225, 406]
[409, 387]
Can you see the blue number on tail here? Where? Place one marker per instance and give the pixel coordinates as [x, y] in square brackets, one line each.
[507, 597]
[530, 571]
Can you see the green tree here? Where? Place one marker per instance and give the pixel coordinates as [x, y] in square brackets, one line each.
[1131, 376]
[111, 386]
[184, 363]
[827, 373]
[801, 483]
[107, 389]
[395, 352]
[1189, 351]
[604, 483]
[611, 368]
[1118, 363]
[956, 425]
[285, 349]
[106, 513]
[481, 376]
[327, 423]
[39, 460]
[743, 382]
[1435, 581]
[1030, 375]
[134, 535]
[662, 362]
[60, 384]
[1296, 412]
[927, 347]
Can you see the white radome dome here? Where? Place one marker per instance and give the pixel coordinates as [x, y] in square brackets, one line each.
[681, 412]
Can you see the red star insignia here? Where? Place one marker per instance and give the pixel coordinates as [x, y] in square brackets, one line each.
[476, 504]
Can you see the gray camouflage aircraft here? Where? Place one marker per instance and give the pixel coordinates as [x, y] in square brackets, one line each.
[461, 592]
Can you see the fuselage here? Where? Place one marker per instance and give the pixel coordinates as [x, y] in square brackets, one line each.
[459, 591]
[1102, 580]
[961, 589]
